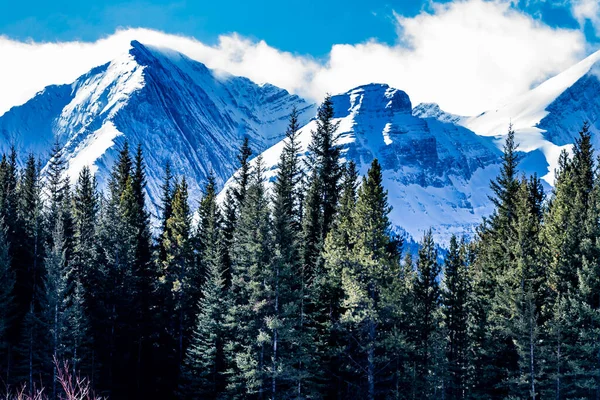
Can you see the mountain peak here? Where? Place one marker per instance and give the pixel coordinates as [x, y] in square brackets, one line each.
[372, 98]
[433, 110]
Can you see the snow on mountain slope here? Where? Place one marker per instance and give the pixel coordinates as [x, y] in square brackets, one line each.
[547, 118]
[437, 173]
[176, 108]
[433, 110]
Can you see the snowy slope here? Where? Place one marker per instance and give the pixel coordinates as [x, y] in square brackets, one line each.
[547, 118]
[437, 173]
[178, 109]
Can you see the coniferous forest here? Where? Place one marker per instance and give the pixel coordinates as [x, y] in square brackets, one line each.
[296, 291]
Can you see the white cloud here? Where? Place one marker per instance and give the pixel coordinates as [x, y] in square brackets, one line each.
[468, 56]
[587, 10]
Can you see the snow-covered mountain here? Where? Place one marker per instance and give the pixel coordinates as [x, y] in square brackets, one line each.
[437, 165]
[178, 110]
[548, 118]
[437, 173]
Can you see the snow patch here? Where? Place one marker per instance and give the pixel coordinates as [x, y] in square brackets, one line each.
[91, 149]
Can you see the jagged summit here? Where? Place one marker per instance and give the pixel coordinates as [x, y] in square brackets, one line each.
[437, 166]
[177, 108]
[437, 173]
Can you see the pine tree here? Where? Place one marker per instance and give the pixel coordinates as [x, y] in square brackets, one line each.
[56, 286]
[455, 297]
[10, 219]
[325, 159]
[427, 297]
[143, 271]
[291, 374]
[493, 354]
[242, 177]
[88, 273]
[247, 347]
[28, 243]
[166, 202]
[7, 305]
[177, 269]
[570, 231]
[202, 370]
[522, 292]
[366, 277]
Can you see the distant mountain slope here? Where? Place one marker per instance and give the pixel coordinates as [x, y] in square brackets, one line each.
[179, 110]
[437, 173]
[548, 118]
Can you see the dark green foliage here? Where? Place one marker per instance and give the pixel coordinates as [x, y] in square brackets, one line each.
[7, 305]
[203, 366]
[295, 288]
[455, 296]
[247, 351]
[427, 319]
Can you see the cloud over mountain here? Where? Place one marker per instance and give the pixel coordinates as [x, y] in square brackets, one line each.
[467, 56]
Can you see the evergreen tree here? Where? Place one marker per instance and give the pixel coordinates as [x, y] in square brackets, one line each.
[291, 374]
[166, 202]
[427, 317]
[242, 177]
[493, 354]
[7, 306]
[570, 234]
[366, 275]
[248, 345]
[202, 371]
[57, 289]
[455, 297]
[88, 274]
[523, 291]
[176, 272]
[143, 271]
[325, 159]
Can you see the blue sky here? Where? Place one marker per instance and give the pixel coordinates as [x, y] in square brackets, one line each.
[304, 27]
[468, 56]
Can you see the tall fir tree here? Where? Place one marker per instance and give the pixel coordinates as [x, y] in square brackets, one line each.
[455, 295]
[56, 287]
[175, 279]
[7, 304]
[493, 354]
[367, 271]
[203, 365]
[291, 361]
[247, 350]
[427, 320]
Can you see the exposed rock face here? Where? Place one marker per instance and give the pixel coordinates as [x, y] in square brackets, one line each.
[437, 173]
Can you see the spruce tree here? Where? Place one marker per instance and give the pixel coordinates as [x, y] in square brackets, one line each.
[202, 370]
[493, 354]
[371, 266]
[570, 234]
[7, 305]
[177, 268]
[455, 297]
[325, 159]
[57, 287]
[247, 350]
[291, 363]
[523, 292]
[88, 273]
[242, 177]
[427, 319]
[166, 208]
